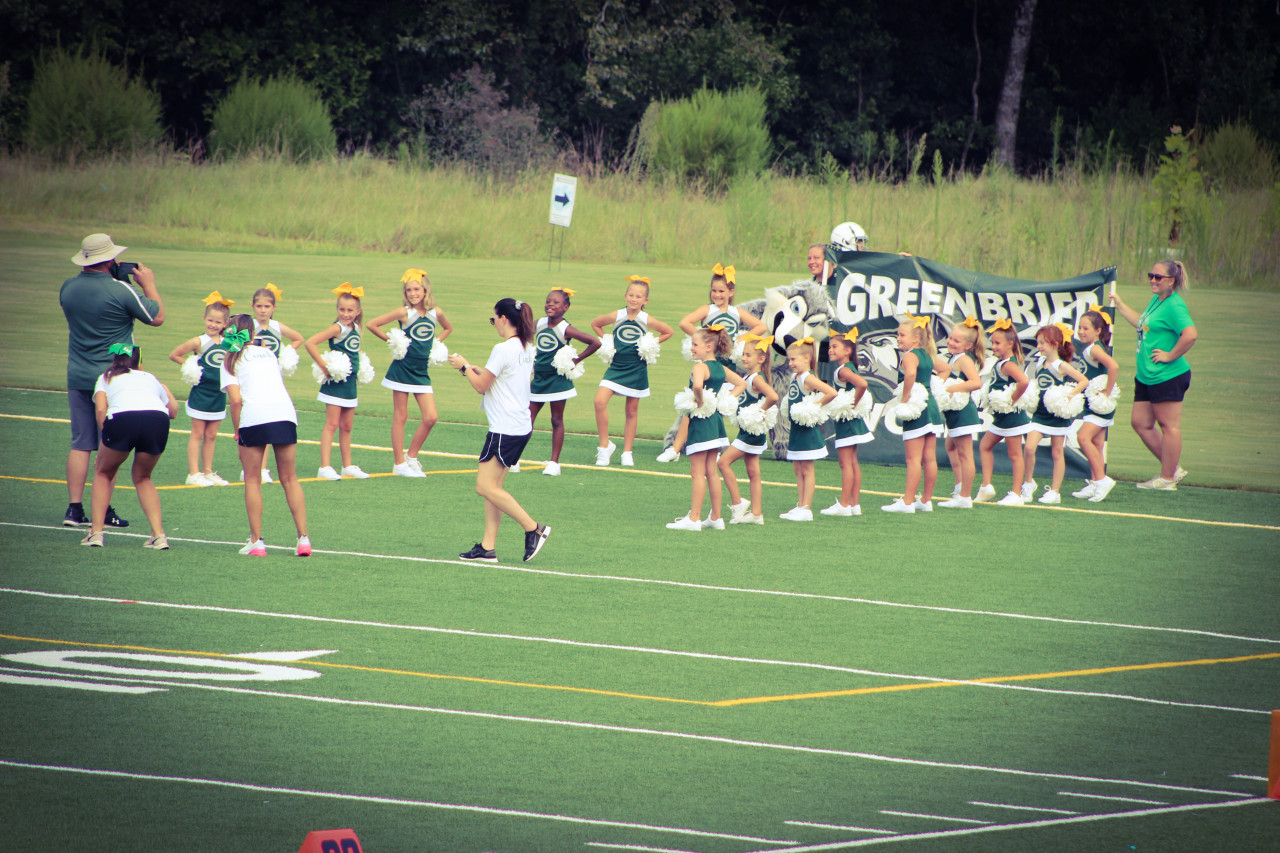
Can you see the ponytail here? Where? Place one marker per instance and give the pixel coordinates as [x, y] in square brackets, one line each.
[519, 315]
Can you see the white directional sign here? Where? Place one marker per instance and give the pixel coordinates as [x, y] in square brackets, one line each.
[563, 191]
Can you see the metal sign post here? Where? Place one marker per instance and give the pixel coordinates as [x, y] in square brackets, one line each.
[564, 190]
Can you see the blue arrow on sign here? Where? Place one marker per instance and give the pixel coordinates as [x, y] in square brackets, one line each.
[562, 199]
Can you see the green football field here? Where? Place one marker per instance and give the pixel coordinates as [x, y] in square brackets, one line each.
[1083, 677]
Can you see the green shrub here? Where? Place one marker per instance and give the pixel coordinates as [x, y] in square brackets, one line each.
[1234, 158]
[709, 139]
[282, 117]
[82, 104]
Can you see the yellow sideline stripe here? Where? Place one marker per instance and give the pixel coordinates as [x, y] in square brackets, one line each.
[469, 678]
[998, 679]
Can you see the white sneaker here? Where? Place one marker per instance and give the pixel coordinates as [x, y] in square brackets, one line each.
[552, 469]
[1087, 491]
[710, 523]
[416, 466]
[198, 479]
[856, 509]
[603, 454]
[739, 509]
[1180, 474]
[266, 476]
[628, 461]
[1101, 489]
[1011, 499]
[836, 508]
[1050, 496]
[955, 491]
[354, 472]
[514, 469]
[684, 523]
[958, 502]
[899, 506]
[922, 506]
[327, 473]
[670, 454]
[797, 514]
[1028, 491]
[404, 469]
[213, 477]
[254, 545]
[746, 517]
[985, 493]
[1159, 484]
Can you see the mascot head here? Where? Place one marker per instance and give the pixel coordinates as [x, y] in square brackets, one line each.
[794, 311]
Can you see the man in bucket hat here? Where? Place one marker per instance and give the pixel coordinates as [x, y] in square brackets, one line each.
[100, 312]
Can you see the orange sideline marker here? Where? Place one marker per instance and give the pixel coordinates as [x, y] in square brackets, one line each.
[331, 841]
[1273, 766]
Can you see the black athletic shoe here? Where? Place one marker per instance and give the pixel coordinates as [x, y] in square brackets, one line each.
[113, 520]
[75, 516]
[479, 554]
[534, 540]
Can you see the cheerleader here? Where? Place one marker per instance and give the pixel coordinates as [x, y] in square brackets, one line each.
[275, 336]
[806, 443]
[1008, 423]
[1054, 370]
[628, 373]
[340, 396]
[750, 444]
[551, 336]
[919, 434]
[1094, 332]
[966, 352]
[422, 325]
[850, 431]
[206, 404]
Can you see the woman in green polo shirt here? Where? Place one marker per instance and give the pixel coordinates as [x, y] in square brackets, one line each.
[1165, 333]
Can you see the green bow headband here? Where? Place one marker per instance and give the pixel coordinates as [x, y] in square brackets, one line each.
[236, 340]
[121, 349]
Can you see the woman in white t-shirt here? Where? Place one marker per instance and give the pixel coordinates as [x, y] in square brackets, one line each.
[504, 382]
[133, 410]
[262, 414]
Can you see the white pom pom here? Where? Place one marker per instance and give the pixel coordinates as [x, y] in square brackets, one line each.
[563, 362]
[1000, 402]
[1098, 402]
[398, 343]
[841, 407]
[191, 370]
[1030, 399]
[648, 348]
[863, 407]
[607, 349]
[365, 374]
[684, 402]
[739, 348]
[771, 417]
[908, 410]
[807, 412]
[439, 354]
[753, 419]
[947, 402]
[727, 401]
[337, 367]
[1061, 402]
[686, 348]
[288, 358]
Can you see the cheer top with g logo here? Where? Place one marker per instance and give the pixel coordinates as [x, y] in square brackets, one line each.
[548, 385]
[410, 373]
[207, 401]
[628, 374]
[344, 393]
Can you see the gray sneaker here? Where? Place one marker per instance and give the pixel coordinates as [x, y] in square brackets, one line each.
[534, 540]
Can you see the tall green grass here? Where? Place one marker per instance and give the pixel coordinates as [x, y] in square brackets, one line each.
[994, 223]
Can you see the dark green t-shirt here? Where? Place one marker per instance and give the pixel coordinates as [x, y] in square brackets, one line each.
[100, 312]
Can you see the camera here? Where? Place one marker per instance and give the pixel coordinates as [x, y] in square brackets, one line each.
[122, 271]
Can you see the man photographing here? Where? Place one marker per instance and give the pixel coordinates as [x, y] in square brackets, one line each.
[100, 311]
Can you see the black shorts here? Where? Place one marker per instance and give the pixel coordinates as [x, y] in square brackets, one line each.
[274, 433]
[145, 432]
[506, 448]
[1169, 391]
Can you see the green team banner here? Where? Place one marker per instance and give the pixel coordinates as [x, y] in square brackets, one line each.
[875, 291]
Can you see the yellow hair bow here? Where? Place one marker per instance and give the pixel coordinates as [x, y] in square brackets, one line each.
[764, 343]
[918, 322]
[1002, 323]
[413, 275]
[714, 328]
[275, 291]
[345, 289]
[1067, 331]
[728, 272]
[218, 297]
[851, 336]
[566, 291]
[1098, 309]
[805, 340]
[637, 278]
[972, 322]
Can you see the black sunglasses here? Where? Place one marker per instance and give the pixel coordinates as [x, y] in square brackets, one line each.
[491, 320]
[1154, 277]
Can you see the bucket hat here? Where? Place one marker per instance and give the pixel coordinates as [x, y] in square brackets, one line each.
[95, 249]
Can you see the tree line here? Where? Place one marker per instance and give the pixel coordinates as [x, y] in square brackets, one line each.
[862, 81]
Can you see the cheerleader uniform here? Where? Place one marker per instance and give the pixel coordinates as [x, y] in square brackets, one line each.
[207, 401]
[746, 442]
[930, 420]
[1048, 376]
[548, 385]
[1007, 423]
[269, 334]
[344, 393]
[1092, 369]
[628, 373]
[410, 373]
[853, 431]
[805, 442]
[966, 421]
[731, 321]
[708, 433]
